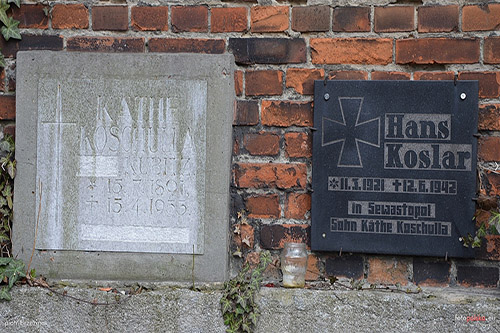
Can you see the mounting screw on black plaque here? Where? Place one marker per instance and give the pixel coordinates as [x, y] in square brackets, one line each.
[394, 166]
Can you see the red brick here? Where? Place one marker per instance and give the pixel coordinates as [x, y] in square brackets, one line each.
[7, 107]
[437, 51]
[246, 236]
[489, 85]
[105, 44]
[238, 83]
[492, 50]
[297, 205]
[390, 76]
[232, 19]
[263, 82]
[393, 19]
[348, 75]
[10, 130]
[190, 18]
[489, 117]
[489, 148]
[365, 51]
[481, 17]
[75, 16]
[287, 113]
[31, 16]
[302, 79]
[110, 18]
[270, 175]
[388, 270]
[431, 272]
[262, 143]
[274, 237]
[298, 144]
[490, 248]
[312, 18]
[263, 207]
[433, 76]
[150, 18]
[491, 184]
[188, 45]
[312, 272]
[269, 18]
[351, 19]
[31, 42]
[247, 113]
[437, 18]
[248, 51]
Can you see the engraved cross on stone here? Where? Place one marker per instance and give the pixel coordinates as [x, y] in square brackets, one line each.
[349, 128]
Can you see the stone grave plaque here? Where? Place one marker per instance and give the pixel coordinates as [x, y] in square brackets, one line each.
[131, 155]
[394, 166]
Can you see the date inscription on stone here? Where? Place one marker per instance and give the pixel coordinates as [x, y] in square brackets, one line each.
[122, 165]
[394, 166]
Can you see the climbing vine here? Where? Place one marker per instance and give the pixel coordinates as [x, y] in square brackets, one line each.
[9, 27]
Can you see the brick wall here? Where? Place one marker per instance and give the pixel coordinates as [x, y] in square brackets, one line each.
[280, 47]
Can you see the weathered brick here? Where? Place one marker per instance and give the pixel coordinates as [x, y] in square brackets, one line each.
[11, 78]
[7, 107]
[270, 175]
[492, 50]
[477, 276]
[238, 83]
[263, 207]
[431, 272]
[433, 76]
[489, 82]
[312, 271]
[263, 82]
[437, 51]
[481, 17]
[31, 42]
[388, 270]
[31, 16]
[488, 148]
[230, 19]
[2, 80]
[437, 18]
[10, 130]
[247, 113]
[311, 18]
[110, 18]
[349, 266]
[302, 79]
[348, 75]
[297, 205]
[366, 51]
[246, 236]
[149, 18]
[269, 18]
[71, 16]
[262, 143]
[189, 45]
[493, 186]
[274, 237]
[489, 117]
[250, 51]
[298, 144]
[351, 19]
[390, 76]
[393, 19]
[286, 113]
[190, 18]
[105, 44]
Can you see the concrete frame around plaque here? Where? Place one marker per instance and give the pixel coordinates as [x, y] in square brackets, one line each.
[124, 161]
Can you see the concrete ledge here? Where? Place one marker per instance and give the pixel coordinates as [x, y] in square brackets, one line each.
[169, 309]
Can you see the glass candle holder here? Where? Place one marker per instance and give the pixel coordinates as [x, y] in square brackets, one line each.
[294, 265]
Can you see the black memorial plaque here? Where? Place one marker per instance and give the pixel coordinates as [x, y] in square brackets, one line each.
[394, 166]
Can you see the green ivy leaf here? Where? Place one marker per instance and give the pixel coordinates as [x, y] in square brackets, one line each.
[4, 146]
[253, 317]
[4, 7]
[11, 30]
[16, 2]
[14, 271]
[226, 306]
[5, 261]
[3, 237]
[4, 294]
[246, 328]
[7, 191]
